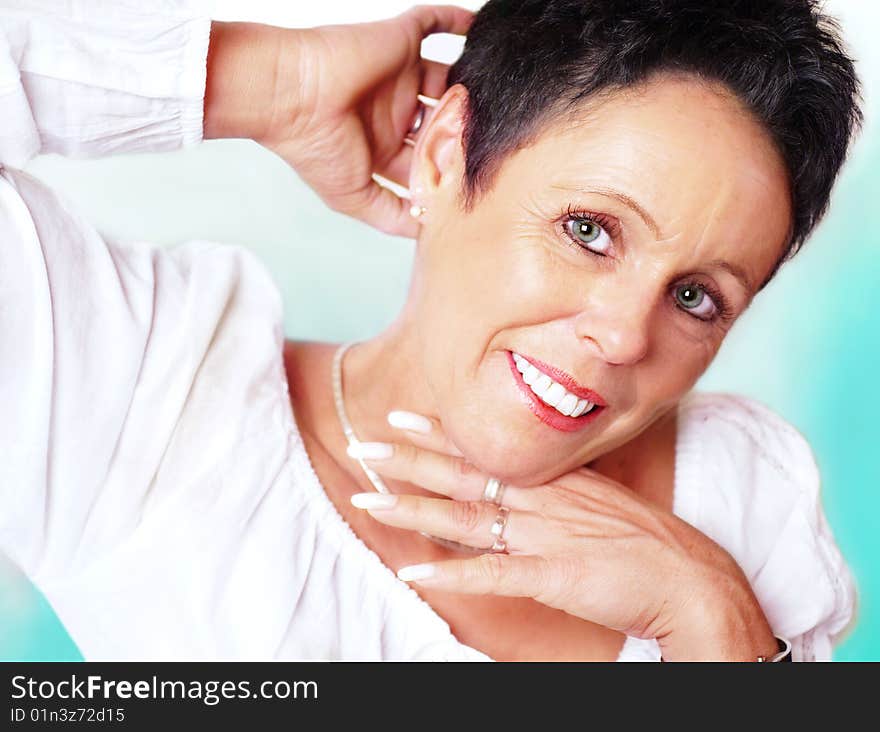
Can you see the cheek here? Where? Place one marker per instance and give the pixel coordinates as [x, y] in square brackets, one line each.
[679, 362]
[480, 281]
[465, 288]
[499, 267]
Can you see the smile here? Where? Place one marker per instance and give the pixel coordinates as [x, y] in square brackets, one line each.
[557, 399]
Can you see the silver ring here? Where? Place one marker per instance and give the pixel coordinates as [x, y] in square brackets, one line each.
[493, 491]
[424, 102]
[497, 529]
[416, 126]
[417, 122]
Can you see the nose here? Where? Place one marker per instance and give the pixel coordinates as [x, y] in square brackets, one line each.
[616, 325]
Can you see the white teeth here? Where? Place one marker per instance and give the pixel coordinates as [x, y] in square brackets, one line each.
[542, 383]
[581, 407]
[550, 392]
[567, 404]
[554, 394]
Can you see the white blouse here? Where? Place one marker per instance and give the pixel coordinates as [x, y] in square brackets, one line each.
[153, 483]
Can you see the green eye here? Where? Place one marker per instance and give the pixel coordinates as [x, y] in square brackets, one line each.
[591, 232]
[691, 296]
[585, 230]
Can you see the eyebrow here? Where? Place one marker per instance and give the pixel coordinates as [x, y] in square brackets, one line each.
[735, 270]
[738, 272]
[630, 203]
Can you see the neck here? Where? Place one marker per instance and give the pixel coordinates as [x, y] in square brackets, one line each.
[378, 376]
[376, 401]
[381, 375]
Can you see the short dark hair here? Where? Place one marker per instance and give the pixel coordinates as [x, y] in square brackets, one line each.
[526, 62]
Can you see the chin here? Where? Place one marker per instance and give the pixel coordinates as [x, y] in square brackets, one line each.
[511, 460]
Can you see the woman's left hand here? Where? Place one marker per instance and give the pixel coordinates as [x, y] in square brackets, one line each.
[584, 544]
[356, 101]
[335, 102]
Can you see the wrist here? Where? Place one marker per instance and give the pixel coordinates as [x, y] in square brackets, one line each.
[250, 81]
[725, 623]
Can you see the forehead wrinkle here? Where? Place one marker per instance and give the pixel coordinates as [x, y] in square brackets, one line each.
[706, 224]
[715, 163]
[675, 247]
[705, 239]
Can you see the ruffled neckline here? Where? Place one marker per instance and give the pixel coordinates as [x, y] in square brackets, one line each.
[685, 506]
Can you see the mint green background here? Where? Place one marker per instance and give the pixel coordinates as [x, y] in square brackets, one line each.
[809, 347]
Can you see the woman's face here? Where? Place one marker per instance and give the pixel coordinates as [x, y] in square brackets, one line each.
[618, 249]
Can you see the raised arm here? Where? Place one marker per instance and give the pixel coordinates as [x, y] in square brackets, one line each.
[86, 78]
[85, 322]
[335, 102]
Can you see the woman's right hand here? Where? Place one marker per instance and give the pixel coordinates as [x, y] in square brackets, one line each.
[355, 99]
[582, 543]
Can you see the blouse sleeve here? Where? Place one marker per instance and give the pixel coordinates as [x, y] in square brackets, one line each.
[760, 498]
[806, 587]
[85, 78]
[114, 356]
[127, 372]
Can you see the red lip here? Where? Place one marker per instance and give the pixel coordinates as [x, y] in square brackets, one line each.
[547, 414]
[567, 381]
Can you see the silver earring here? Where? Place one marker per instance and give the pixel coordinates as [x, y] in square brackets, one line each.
[416, 211]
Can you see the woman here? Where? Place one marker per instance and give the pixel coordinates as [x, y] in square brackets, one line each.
[598, 194]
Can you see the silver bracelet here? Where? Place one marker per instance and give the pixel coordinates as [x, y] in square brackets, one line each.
[783, 654]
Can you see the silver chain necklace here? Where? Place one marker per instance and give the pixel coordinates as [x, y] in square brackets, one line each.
[377, 482]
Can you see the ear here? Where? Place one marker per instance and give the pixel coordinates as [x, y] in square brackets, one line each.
[438, 156]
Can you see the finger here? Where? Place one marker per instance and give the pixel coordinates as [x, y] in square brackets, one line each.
[437, 472]
[441, 19]
[436, 443]
[467, 522]
[398, 167]
[434, 76]
[495, 574]
[381, 208]
[425, 432]
[445, 474]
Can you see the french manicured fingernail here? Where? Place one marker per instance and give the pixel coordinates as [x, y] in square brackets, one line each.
[415, 572]
[409, 421]
[373, 500]
[370, 450]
